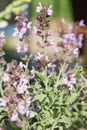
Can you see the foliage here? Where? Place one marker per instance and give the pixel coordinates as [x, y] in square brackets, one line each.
[13, 8]
[52, 93]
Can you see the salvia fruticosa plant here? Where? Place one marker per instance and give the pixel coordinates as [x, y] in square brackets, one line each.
[43, 92]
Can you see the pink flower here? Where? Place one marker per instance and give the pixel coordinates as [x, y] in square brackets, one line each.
[32, 72]
[21, 108]
[52, 42]
[39, 8]
[2, 37]
[81, 23]
[19, 48]
[76, 52]
[25, 48]
[22, 48]
[30, 114]
[69, 38]
[22, 88]
[39, 56]
[28, 101]
[29, 25]
[80, 40]
[15, 34]
[22, 65]
[69, 80]
[23, 25]
[23, 85]
[36, 31]
[6, 77]
[14, 116]
[51, 65]
[2, 102]
[23, 80]
[49, 10]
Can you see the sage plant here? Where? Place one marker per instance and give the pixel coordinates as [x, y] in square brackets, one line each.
[43, 92]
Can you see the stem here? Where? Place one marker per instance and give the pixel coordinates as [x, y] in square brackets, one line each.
[44, 48]
[1, 91]
[58, 78]
[84, 79]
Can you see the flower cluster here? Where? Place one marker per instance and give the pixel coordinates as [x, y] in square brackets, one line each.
[23, 25]
[17, 96]
[48, 9]
[2, 41]
[69, 80]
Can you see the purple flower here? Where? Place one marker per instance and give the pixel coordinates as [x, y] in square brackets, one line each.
[69, 80]
[2, 37]
[23, 30]
[30, 114]
[51, 65]
[32, 72]
[76, 52]
[39, 56]
[52, 42]
[23, 85]
[80, 40]
[19, 48]
[36, 31]
[49, 10]
[29, 25]
[28, 101]
[25, 48]
[49, 33]
[39, 8]
[2, 102]
[21, 108]
[2, 41]
[81, 23]
[22, 48]
[5, 77]
[14, 116]
[16, 32]
[22, 88]
[69, 38]
[22, 65]
[23, 25]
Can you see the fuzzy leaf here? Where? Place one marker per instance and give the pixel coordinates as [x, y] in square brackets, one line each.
[39, 127]
[41, 77]
[72, 98]
[39, 97]
[66, 120]
[60, 128]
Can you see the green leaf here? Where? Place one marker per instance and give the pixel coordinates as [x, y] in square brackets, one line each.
[39, 97]
[39, 127]
[41, 77]
[66, 120]
[68, 112]
[72, 98]
[79, 70]
[3, 109]
[60, 127]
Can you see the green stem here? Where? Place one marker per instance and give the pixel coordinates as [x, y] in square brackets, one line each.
[1, 90]
[84, 79]
[59, 75]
